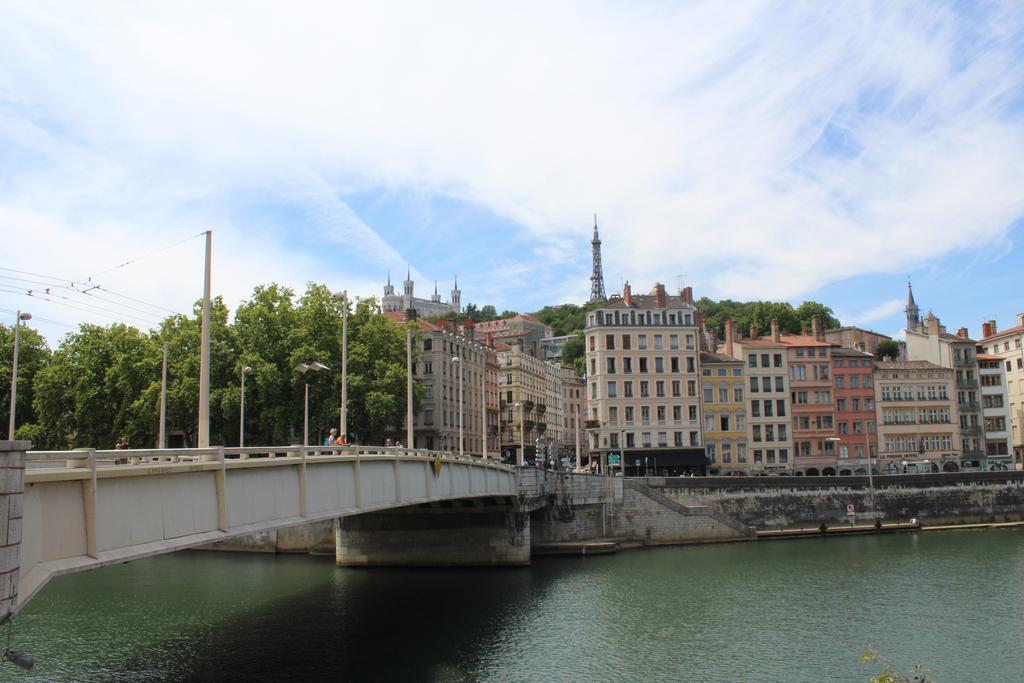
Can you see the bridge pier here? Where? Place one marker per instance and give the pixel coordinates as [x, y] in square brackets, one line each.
[466, 533]
[12, 487]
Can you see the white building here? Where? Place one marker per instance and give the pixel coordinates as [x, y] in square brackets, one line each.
[995, 404]
[392, 302]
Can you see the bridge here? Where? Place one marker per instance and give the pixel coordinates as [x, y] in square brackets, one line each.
[70, 511]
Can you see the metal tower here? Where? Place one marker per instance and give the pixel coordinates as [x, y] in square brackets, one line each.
[597, 277]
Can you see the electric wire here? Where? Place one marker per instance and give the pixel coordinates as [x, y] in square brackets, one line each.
[144, 256]
[58, 282]
[78, 306]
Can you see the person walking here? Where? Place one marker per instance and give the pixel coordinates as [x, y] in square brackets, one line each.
[332, 439]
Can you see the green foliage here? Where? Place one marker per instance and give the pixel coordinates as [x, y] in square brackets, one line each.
[760, 314]
[508, 314]
[919, 673]
[566, 318]
[33, 355]
[574, 352]
[889, 348]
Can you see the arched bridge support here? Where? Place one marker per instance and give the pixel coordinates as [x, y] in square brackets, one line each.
[462, 533]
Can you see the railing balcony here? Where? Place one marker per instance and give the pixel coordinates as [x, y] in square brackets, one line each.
[971, 429]
[963, 362]
[966, 383]
[591, 424]
[527, 405]
[541, 408]
[542, 427]
[969, 405]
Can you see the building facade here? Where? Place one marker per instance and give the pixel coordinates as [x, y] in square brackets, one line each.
[1008, 346]
[855, 338]
[766, 368]
[395, 303]
[642, 381]
[853, 375]
[574, 403]
[929, 341]
[724, 411]
[995, 407]
[530, 393]
[919, 426]
[519, 329]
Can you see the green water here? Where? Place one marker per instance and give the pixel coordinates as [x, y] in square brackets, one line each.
[799, 610]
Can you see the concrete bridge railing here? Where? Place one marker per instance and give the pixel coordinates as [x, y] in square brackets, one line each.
[87, 508]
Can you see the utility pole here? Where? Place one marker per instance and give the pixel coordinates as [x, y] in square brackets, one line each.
[204, 355]
[409, 436]
[483, 403]
[161, 441]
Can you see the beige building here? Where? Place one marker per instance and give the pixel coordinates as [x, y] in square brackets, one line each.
[928, 340]
[574, 403]
[918, 425]
[1008, 346]
[437, 424]
[642, 382]
[519, 328]
[768, 409]
[530, 390]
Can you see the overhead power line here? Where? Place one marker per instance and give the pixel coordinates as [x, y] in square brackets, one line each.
[144, 256]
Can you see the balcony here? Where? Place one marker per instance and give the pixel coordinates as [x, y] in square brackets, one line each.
[968, 405]
[963, 362]
[527, 405]
[965, 383]
[591, 424]
[542, 427]
[541, 408]
[971, 429]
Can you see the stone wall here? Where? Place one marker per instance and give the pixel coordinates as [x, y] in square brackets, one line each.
[774, 502]
[12, 486]
[638, 514]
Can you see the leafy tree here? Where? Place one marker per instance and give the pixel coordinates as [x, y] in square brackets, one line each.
[377, 379]
[889, 348]
[574, 352]
[33, 355]
[508, 314]
[87, 395]
[809, 309]
[488, 313]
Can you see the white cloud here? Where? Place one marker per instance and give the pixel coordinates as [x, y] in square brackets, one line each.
[761, 149]
[875, 313]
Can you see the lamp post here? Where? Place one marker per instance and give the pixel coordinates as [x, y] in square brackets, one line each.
[483, 403]
[241, 409]
[161, 439]
[14, 369]
[457, 362]
[343, 298]
[522, 440]
[315, 366]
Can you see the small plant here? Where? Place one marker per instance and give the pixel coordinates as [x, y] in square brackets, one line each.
[890, 674]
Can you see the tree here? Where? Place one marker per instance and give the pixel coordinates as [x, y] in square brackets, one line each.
[889, 348]
[574, 352]
[88, 394]
[377, 379]
[508, 314]
[488, 313]
[809, 309]
[33, 355]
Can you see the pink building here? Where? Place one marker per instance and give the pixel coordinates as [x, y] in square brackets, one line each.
[853, 383]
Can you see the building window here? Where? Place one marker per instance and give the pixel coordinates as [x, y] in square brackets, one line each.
[659, 364]
[626, 345]
[737, 394]
[778, 360]
[752, 360]
[641, 342]
[611, 366]
[609, 342]
[753, 385]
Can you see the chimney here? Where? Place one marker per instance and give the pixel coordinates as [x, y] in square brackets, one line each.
[816, 328]
[730, 335]
[775, 331]
[449, 324]
[468, 329]
[627, 294]
[753, 331]
[659, 294]
[489, 340]
[713, 336]
[986, 329]
[1020, 322]
[962, 333]
[688, 295]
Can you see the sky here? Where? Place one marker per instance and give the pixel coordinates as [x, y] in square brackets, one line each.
[751, 150]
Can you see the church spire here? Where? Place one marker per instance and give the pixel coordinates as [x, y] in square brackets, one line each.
[913, 312]
[597, 275]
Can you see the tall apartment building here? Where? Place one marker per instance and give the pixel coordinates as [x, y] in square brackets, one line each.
[437, 423]
[724, 411]
[928, 340]
[1008, 346]
[811, 394]
[995, 407]
[574, 403]
[853, 384]
[523, 329]
[642, 376]
[530, 393]
[493, 402]
[766, 367]
[919, 426]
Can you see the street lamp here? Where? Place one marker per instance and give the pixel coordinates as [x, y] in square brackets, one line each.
[14, 370]
[457, 362]
[241, 409]
[343, 298]
[522, 439]
[315, 366]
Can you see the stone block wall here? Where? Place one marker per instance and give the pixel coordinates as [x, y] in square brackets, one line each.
[934, 499]
[12, 487]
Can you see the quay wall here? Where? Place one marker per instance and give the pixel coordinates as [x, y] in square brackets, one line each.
[777, 502]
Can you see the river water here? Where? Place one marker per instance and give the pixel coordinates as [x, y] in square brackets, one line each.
[795, 610]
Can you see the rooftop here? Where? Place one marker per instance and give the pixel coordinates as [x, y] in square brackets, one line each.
[909, 365]
[848, 352]
[708, 358]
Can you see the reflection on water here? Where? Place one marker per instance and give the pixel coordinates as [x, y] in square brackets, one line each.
[772, 611]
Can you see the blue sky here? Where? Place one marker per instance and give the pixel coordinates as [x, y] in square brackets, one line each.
[789, 151]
